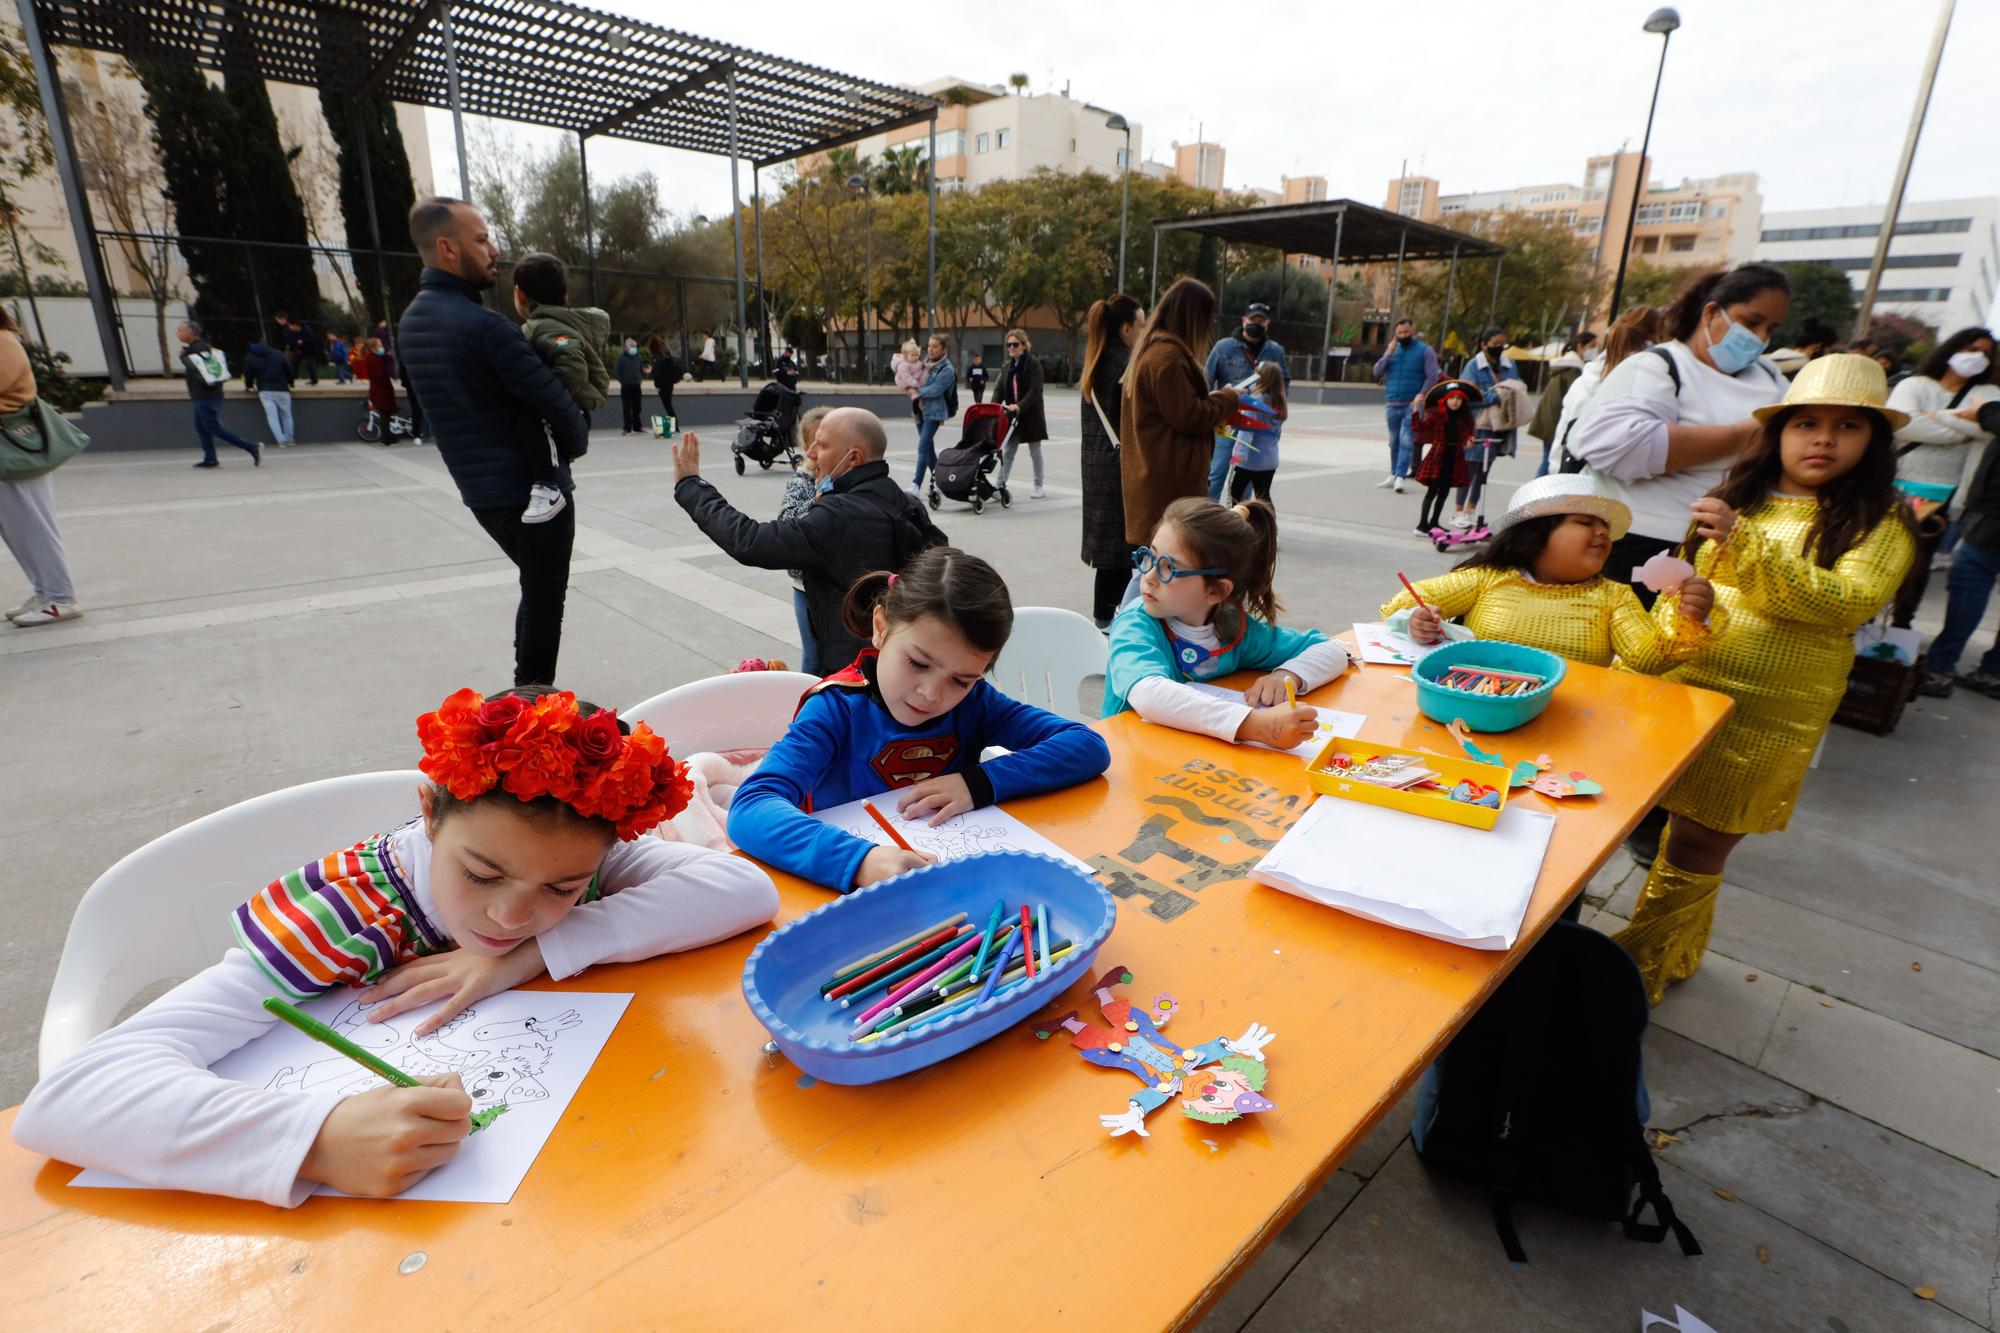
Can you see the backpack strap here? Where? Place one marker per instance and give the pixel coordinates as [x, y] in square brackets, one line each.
[1648, 1175]
[1673, 370]
[1503, 1222]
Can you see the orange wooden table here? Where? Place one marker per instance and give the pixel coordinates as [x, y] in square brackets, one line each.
[699, 1183]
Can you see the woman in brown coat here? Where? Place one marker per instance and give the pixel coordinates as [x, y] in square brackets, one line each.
[1167, 415]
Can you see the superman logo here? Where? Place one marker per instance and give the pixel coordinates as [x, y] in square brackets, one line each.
[907, 762]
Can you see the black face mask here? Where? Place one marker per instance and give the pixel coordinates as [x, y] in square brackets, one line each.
[1494, 353]
[1405, 339]
[1253, 333]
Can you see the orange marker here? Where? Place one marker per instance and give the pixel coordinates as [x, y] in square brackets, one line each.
[1413, 591]
[887, 827]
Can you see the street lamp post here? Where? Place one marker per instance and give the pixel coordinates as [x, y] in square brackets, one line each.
[1116, 123]
[1662, 21]
[860, 183]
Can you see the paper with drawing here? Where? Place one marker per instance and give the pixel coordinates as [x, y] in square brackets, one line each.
[989, 830]
[526, 1050]
[1383, 647]
[1331, 722]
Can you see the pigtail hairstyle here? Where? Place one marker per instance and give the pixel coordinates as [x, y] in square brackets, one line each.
[962, 590]
[1242, 540]
[1849, 506]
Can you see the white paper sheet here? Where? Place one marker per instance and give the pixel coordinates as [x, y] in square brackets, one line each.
[529, 1049]
[1380, 646]
[1330, 723]
[1466, 885]
[989, 830]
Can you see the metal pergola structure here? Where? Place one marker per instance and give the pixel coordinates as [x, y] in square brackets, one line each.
[540, 62]
[1342, 231]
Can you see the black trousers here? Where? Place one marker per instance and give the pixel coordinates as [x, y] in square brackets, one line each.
[979, 392]
[1245, 481]
[1627, 554]
[1432, 512]
[629, 395]
[667, 400]
[1107, 586]
[541, 552]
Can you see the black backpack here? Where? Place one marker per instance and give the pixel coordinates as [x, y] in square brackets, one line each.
[951, 397]
[1539, 1097]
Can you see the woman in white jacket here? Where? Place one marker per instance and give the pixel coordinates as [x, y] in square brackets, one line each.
[1633, 331]
[1941, 444]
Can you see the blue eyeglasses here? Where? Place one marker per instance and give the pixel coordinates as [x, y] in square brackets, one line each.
[1164, 568]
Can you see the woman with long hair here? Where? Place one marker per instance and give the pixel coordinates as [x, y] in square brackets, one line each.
[1805, 540]
[28, 507]
[1109, 332]
[1939, 447]
[1167, 414]
[1021, 394]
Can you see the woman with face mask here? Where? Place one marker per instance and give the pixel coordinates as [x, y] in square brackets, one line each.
[1665, 426]
[1941, 445]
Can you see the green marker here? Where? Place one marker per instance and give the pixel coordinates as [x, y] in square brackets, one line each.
[325, 1035]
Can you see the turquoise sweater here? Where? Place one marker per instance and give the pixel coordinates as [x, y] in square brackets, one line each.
[1140, 648]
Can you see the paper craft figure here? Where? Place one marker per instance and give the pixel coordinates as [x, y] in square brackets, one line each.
[1533, 773]
[1663, 573]
[1216, 1081]
[1473, 793]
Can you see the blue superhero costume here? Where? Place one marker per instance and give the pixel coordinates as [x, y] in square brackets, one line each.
[844, 744]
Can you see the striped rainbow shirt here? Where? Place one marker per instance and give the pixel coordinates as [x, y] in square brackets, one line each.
[344, 919]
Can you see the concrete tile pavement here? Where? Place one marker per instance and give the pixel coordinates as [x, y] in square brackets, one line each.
[252, 628]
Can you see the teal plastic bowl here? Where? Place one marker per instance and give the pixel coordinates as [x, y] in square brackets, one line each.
[1926, 490]
[1486, 712]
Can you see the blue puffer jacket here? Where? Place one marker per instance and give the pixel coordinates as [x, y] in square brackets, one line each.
[486, 394]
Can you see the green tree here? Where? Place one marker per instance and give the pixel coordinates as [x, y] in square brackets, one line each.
[263, 202]
[24, 154]
[1656, 285]
[1545, 281]
[369, 129]
[1821, 294]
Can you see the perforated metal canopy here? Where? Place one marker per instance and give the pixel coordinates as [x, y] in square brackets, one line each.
[1364, 235]
[541, 62]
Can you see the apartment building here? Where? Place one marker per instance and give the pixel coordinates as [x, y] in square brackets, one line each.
[1943, 266]
[987, 132]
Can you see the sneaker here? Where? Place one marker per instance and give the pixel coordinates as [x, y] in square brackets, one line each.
[1986, 682]
[1399, 485]
[544, 503]
[1038, 493]
[257, 454]
[1423, 532]
[48, 613]
[30, 603]
[1935, 685]
[1461, 521]
[208, 462]
[1941, 564]
[1386, 482]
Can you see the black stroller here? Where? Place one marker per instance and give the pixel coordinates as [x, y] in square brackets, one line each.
[963, 470]
[767, 433]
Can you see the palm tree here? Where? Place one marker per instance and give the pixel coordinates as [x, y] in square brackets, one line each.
[1018, 82]
[901, 171]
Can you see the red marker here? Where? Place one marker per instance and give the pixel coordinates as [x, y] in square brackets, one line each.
[1413, 591]
[1028, 938]
[887, 827]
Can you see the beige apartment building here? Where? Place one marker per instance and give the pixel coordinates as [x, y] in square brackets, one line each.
[1710, 221]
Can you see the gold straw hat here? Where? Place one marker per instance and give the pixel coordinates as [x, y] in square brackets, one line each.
[1841, 380]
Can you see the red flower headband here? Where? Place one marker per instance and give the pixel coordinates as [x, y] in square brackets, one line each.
[541, 747]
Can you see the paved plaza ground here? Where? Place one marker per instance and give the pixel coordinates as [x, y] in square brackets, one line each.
[1828, 1086]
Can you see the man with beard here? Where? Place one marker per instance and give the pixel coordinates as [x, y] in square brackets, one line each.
[1232, 362]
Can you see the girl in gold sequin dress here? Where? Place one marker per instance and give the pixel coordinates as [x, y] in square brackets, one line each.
[1805, 542]
[1539, 583]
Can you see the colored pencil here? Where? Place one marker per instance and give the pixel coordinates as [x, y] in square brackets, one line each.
[916, 983]
[326, 1036]
[992, 924]
[1028, 937]
[887, 827]
[1042, 931]
[862, 964]
[1413, 591]
[892, 979]
[1005, 960]
[834, 991]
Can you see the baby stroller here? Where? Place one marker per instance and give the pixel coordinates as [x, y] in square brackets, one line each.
[767, 432]
[963, 470]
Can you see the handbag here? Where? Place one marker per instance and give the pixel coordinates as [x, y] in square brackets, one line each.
[36, 440]
[1108, 431]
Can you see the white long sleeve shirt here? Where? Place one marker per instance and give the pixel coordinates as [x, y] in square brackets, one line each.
[139, 1100]
[1174, 703]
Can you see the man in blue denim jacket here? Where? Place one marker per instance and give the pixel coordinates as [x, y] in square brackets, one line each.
[1232, 361]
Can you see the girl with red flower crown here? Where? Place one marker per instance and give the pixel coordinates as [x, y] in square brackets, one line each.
[528, 859]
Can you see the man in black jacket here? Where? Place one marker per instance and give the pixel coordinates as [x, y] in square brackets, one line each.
[1975, 567]
[861, 521]
[266, 370]
[492, 408]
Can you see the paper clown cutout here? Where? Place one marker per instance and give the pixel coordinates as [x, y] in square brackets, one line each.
[1663, 573]
[1534, 774]
[1216, 1082]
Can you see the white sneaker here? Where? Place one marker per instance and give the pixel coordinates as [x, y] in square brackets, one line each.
[31, 603]
[544, 503]
[1941, 564]
[1399, 485]
[48, 613]
[1386, 482]
[1037, 493]
[1461, 521]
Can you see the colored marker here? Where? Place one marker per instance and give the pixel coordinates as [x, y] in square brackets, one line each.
[1042, 931]
[1028, 937]
[896, 978]
[887, 827]
[1000, 967]
[916, 983]
[1012, 981]
[859, 979]
[1413, 591]
[992, 924]
[862, 964]
[326, 1036]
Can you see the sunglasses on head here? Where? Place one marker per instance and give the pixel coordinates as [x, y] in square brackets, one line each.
[1163, 567]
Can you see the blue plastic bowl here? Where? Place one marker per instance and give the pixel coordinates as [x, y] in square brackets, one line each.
[782, 977]
[1926, 490]
[1486, 712]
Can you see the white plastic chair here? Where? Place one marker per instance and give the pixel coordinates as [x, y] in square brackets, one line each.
[162, 913]
[1047, 658]
[748, 710]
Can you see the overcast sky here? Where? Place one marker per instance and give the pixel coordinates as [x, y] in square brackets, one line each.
[1813, 95]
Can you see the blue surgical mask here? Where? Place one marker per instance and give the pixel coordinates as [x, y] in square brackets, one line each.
[1736, 350]
[826, 482]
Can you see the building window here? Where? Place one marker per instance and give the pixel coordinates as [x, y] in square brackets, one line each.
[1124, 158]
[1681, 245]
[1569, 217]
[1003, 138]
[1862, 262]
[1913, 294]
[951, 143]
[1684, 212]
[1650, 213]
[980, 144]
[1591, 226]
[1867, 230]
[1410, 201]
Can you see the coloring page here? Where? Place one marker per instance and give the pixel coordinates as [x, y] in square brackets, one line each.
[1331, 722]
[989, 830]
[521, 1055]
[1383, 648]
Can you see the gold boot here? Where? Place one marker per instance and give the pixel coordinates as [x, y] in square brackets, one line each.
[1669, 930]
